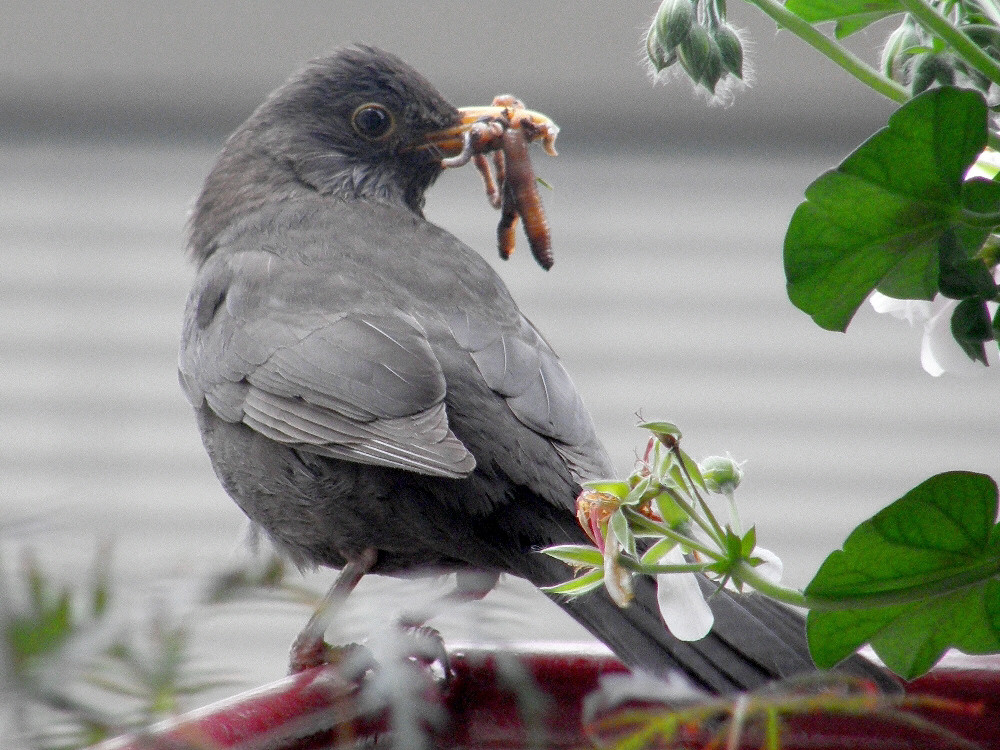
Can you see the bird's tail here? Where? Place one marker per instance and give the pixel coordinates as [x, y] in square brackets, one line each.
[754, 640]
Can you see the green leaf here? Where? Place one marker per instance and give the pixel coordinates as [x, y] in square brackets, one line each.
[971, 328]
[655, 553]
[619, 525]
[693, 471]
[634, 496]
[963, 271]
[853, 24]
[961, 277]
[576, 555]
[734, 544]
[662, 429]
[749, 542]
[671, 513]
[579, 585]
[877, 220]
[850, 15]
[611, 486]
[819, 11]
[923, 575]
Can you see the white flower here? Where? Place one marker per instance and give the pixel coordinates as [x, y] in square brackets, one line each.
[770, 568]
[617, 580]
[682, 605]
[939, 352]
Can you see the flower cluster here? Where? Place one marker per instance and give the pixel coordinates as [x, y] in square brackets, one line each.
[695, 34]
[658, 522]
[919, 59]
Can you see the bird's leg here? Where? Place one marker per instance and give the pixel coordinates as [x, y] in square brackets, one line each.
[309, 648]
[470, 586]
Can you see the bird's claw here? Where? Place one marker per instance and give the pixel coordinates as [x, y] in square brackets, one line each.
[429, 651]
[308, 652]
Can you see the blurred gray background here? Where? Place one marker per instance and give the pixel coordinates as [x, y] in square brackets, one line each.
[667, 296]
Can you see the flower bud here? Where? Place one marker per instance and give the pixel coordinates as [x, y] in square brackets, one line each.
[666, 432]
[898, 46]
[593, 508]
[721, 474]
[931, 68]
[731, 49]
[674, 20]
[654, 52]
[700, 57]
[715, 69]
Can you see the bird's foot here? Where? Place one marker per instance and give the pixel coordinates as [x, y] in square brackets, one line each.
[429, 651]
[309, 651]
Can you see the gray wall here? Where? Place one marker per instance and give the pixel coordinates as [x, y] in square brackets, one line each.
[182, 69]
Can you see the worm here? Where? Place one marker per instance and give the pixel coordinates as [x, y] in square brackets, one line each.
[520, 198]
[508, 220]
[492, 192]
[510, 180]
[477, 139]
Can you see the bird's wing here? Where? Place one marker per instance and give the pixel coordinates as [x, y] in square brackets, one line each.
[364, 387]
[518, 364]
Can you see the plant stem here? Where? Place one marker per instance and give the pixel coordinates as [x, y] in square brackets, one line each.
[957, 39]
[676, 536]
[842, 57]
[745, 573]
[696, 517]
[640, 523]
[680, 456]
[652, 570]
[973, 574]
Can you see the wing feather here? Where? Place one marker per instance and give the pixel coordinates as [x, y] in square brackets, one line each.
[518, 364]
[360, 386]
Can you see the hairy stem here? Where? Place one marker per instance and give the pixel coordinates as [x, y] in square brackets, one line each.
[652, 570]
[842, 57]
[957, 39]
[664, 530]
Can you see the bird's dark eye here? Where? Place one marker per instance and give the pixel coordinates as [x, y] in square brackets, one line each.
[372, 122]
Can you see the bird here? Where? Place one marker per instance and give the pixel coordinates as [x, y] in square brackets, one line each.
[367, 389]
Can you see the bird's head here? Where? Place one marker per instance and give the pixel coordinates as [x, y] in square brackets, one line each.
[358, 123]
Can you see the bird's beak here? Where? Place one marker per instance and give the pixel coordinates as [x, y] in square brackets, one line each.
[450, 141]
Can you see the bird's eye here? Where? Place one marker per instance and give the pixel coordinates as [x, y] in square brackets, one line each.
[372, 122]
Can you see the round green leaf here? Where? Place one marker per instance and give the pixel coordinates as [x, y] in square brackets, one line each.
[877, 219]
[921, 576]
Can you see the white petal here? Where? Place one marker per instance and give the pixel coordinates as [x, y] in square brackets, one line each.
[682, 606]
[771, 568]
[987, 165]
[617, 580]
[910, 310]
[940, 353]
